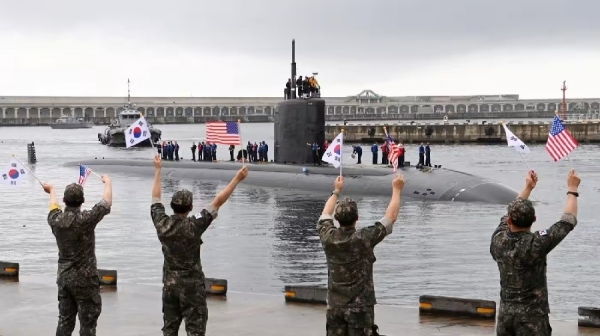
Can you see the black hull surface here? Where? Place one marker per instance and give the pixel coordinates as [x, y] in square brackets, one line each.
[435, 185]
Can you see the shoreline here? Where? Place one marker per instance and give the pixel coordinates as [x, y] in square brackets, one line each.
[30, 307]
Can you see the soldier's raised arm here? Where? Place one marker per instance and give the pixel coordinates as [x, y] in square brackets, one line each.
[547, 240]
[157, 209]
[325, 224]
[55, 208]
[102, 208]
[224, 195]
[374, 232]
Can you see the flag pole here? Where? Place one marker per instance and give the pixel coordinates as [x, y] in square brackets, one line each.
[342, 154]
[29, 170]
[527, 163]
[241, 142]
[150, 138]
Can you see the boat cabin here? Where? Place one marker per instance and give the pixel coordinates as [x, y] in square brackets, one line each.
[127, 117]
[68, 120]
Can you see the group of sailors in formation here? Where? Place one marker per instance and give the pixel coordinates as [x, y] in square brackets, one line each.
[306, 88]
[424, 153]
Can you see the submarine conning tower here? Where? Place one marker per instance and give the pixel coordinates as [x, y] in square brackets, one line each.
[298, 122]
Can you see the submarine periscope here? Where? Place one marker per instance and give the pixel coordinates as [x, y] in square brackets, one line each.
[300, 120]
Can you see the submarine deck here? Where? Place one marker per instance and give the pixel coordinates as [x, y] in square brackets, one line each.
[30, 307]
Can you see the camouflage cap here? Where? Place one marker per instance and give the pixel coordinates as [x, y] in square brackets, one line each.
[74, 193]
[521, 212]
[182, 197]
[346, 211]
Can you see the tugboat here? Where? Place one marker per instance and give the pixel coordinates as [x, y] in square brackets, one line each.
[65, 122]
[114, 135]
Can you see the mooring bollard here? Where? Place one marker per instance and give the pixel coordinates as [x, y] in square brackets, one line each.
[451, 306]
[31, 157]
[215, 286]
[588, 317]
[306, 294]
[107, 277]
[9, 269]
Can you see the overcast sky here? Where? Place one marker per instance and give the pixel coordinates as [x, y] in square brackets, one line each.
[243, 47]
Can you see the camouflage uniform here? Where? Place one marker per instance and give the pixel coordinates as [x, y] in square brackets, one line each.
[77, 276]
[184, 295]
[521, 258]
[350, 258]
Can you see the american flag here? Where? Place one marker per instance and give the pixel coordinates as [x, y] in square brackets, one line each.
[392, 152]
[84, 173]
[225, 133]
[560, 142]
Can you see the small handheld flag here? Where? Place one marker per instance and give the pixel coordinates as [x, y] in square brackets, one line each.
[333, 154]
[84, 173]
[137, 132]
[223, 132]
[393, 150]
[15, 173]
[514, 141]
[517, 144]
[560, 142]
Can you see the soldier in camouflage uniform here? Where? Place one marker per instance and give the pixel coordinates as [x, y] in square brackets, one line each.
[184, 294]
[77, 278]
[521, 257]
[350, 258]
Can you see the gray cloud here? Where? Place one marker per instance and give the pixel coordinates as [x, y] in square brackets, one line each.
[389, 34]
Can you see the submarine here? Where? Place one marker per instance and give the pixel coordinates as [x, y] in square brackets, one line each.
[300, 120]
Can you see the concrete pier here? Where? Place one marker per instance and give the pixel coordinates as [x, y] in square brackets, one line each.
[30, 307]
[529, 132]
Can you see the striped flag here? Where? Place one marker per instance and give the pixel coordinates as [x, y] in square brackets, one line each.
[226, 133]
[560, 142]
[392, 152]
[84, 173]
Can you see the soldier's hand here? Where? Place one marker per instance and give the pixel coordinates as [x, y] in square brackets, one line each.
[47, 188]
[157, 161]
[531, 179]
[105, 179]
[339, 183]
[398, 182]
[241, 174]
[573, 181]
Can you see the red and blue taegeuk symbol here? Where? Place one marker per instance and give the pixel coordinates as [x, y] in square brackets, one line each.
[13, 173]
[137, 132]
[337, 149]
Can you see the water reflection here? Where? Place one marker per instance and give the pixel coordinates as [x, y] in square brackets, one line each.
[170, 186]
[299, 253]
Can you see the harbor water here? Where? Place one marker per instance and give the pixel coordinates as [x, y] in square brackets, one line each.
[265, 238]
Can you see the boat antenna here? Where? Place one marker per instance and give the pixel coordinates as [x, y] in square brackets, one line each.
[128, 95]
[293, 93]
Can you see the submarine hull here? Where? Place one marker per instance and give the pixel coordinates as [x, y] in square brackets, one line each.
[434, 185]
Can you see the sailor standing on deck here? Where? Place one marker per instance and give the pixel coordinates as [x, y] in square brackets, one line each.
[521, 256]
[358, 151]
[193, 151]
[421, 155]
[184, 295]
[427, 155]
[375, 151]
[349, 252]
[77, 280]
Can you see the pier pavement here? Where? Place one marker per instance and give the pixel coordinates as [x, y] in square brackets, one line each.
[30, 307]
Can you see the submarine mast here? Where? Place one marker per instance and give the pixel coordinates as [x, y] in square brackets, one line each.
[293, 93]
